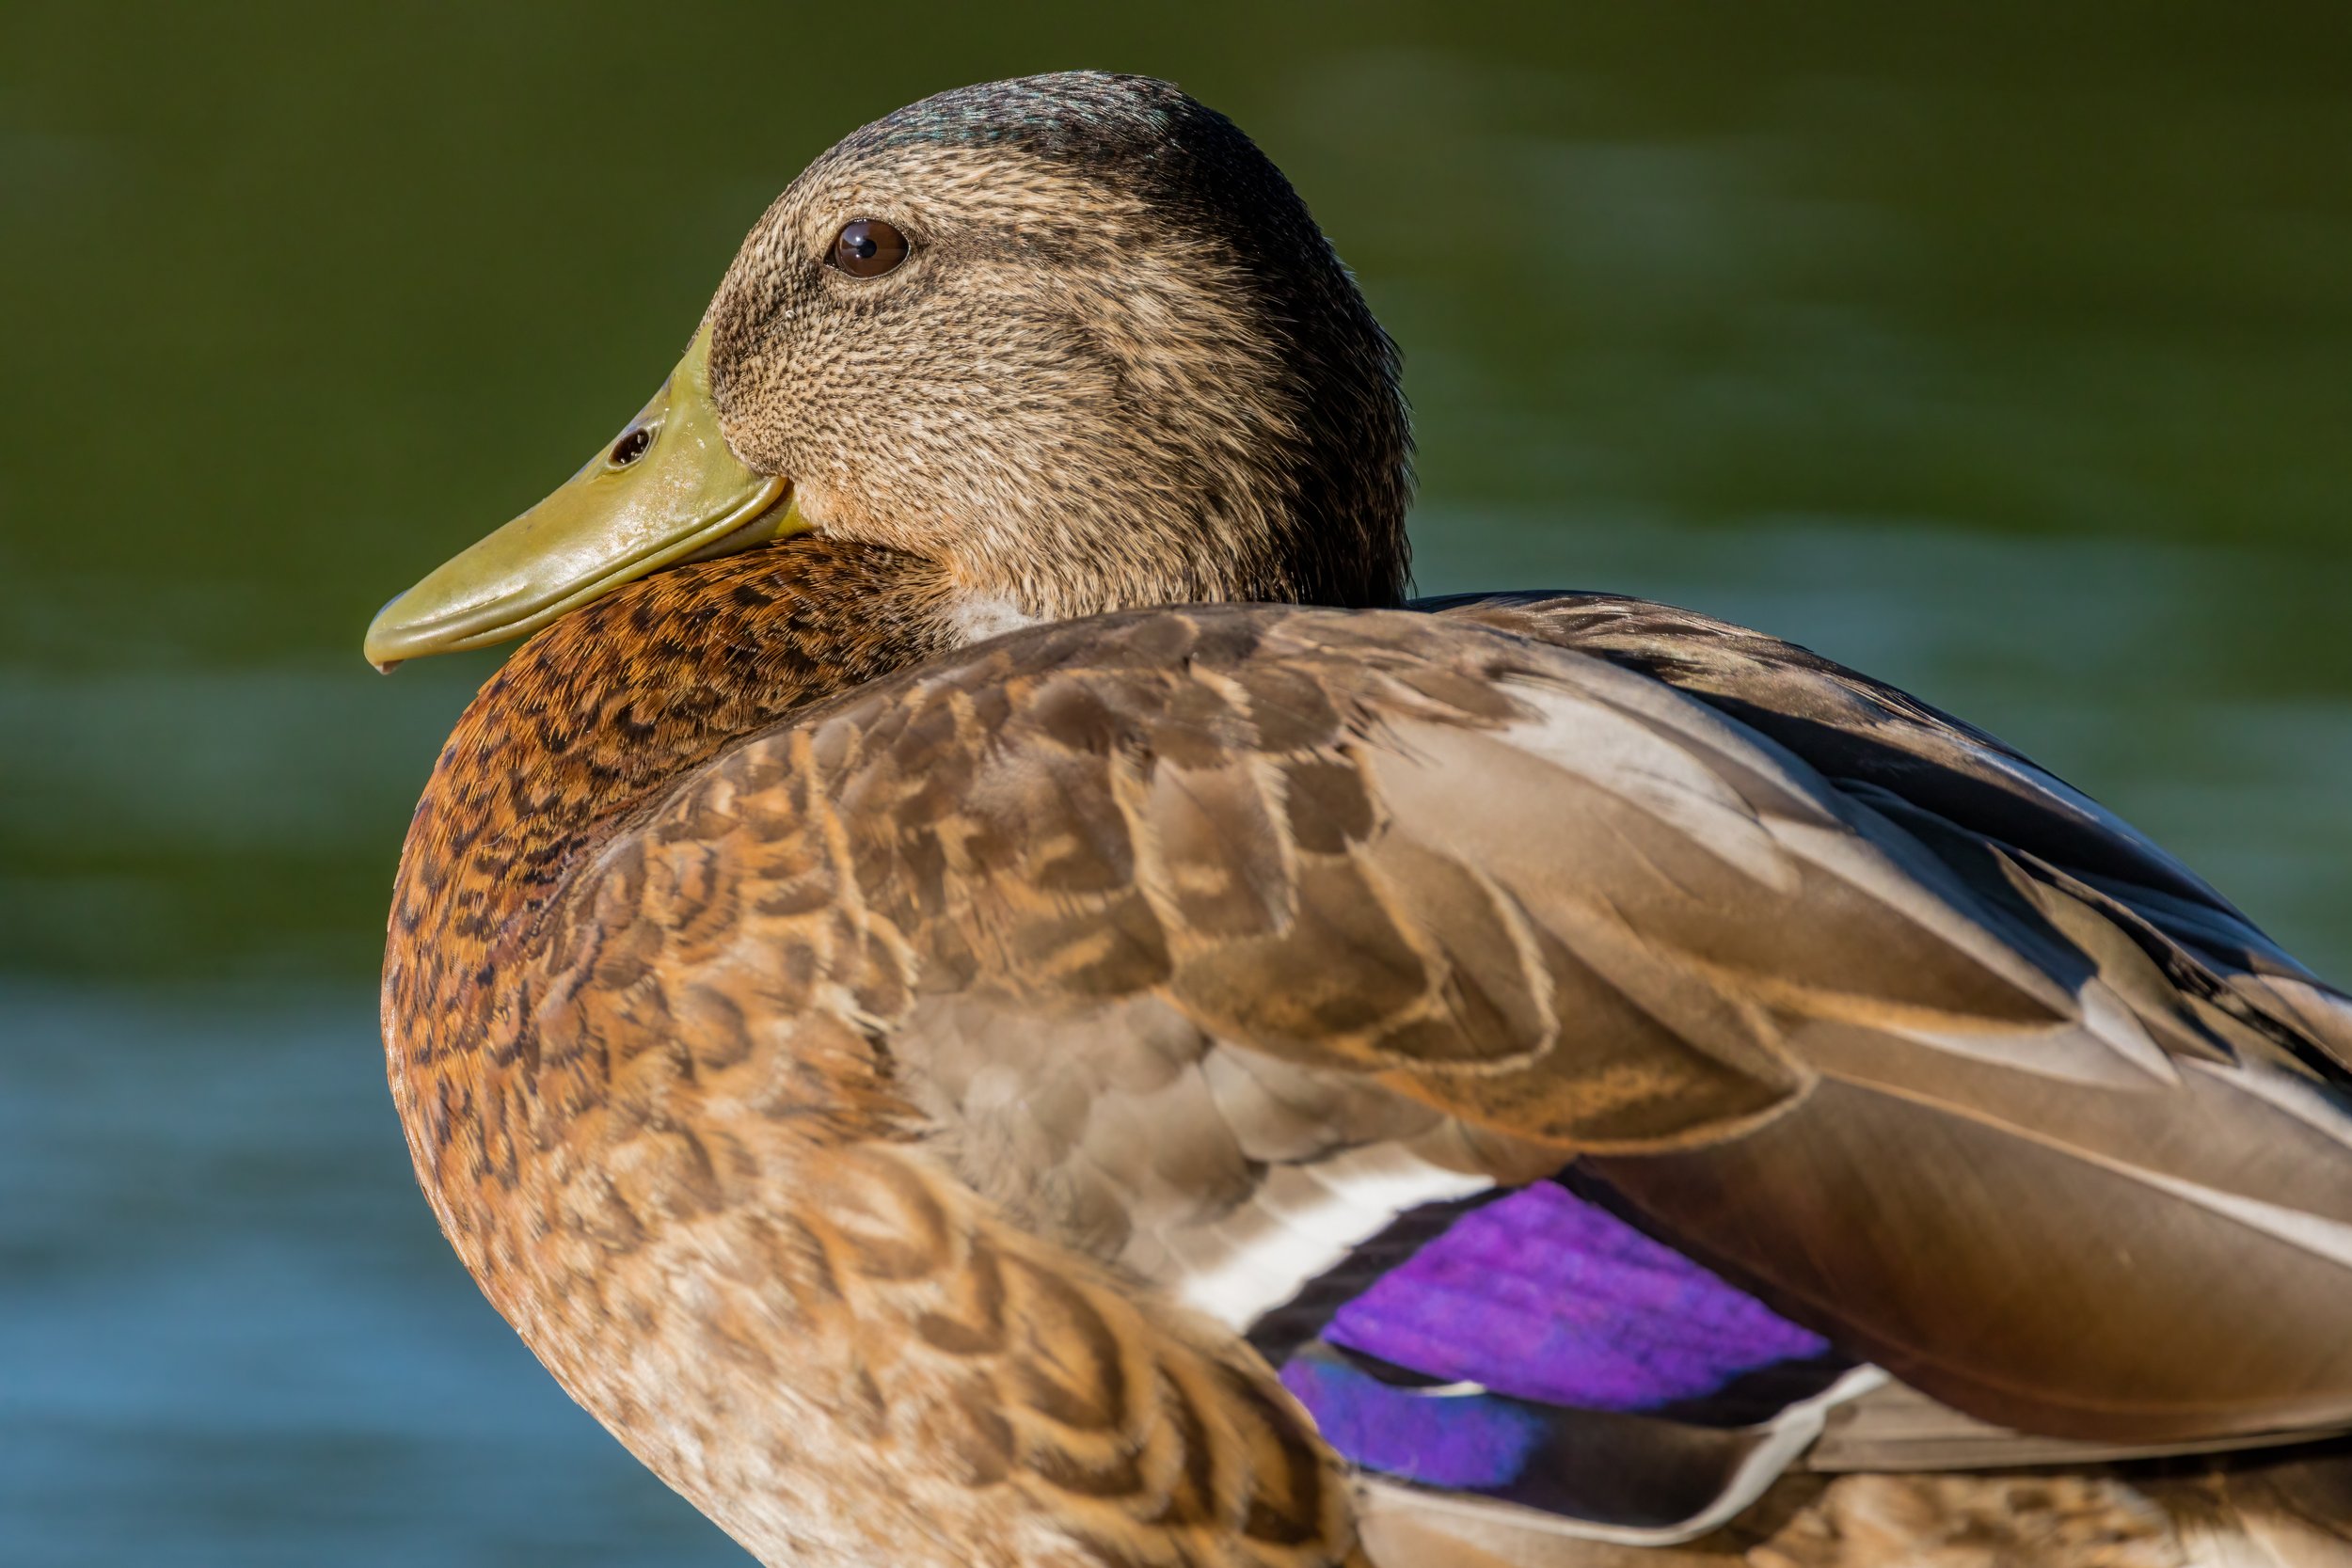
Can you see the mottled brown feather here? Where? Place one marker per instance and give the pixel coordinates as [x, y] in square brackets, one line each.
[838, 1049]
[718, 1026]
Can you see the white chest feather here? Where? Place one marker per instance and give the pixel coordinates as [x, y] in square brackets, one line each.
[978, 619]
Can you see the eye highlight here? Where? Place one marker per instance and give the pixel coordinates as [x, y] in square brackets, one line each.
[867, 248]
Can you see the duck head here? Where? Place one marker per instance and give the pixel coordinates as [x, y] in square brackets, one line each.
[1072, 339]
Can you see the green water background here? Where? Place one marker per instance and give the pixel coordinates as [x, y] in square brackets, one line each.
[2003, 350]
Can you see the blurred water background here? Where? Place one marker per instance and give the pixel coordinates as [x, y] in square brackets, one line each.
[2003, 350]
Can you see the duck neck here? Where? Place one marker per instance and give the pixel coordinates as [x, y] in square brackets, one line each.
[588, 720]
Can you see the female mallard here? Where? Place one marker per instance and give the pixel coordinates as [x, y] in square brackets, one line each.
[955, 1067]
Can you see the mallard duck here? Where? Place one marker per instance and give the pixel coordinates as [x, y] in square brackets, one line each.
[985, 991]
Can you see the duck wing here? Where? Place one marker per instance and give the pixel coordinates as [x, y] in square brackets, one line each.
[1239, 960]
[2127, 928]
[1956, 783]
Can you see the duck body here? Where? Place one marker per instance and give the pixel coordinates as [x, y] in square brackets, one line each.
[1519, 1080]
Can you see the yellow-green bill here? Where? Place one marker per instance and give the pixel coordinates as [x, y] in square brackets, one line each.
[668, 490]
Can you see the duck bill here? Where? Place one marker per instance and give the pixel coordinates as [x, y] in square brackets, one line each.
[667, 491]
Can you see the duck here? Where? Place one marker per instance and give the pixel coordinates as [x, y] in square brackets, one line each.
[986, 988]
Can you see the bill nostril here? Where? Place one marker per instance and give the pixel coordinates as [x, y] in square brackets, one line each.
[630, 447]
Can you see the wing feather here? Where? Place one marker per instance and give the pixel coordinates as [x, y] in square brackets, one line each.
[1835, 993]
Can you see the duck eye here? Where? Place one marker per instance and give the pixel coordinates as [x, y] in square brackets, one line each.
[869, 248]
[630, 447]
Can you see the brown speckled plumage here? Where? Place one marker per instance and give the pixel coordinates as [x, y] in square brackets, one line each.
[1144, 326]
[606, 1103]
[854, 1055]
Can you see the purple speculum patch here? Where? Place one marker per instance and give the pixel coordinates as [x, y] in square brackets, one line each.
[1543, 1299]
